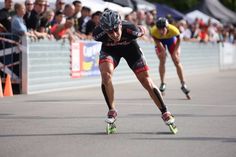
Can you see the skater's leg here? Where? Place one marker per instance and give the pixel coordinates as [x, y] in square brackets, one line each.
[179, 67]
[106, 70]
[162, 69]
[153, 91]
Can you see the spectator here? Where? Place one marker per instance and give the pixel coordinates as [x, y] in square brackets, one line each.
[69, 10]
[78, 7]
[92, 23]
[141, 16]
[184, 30]
[85, 17]
[59, 5]
[29, 5]
[6, 14]
[36, 14]
[62, 31]
[203, 34]
[47, 6]
[17, 26]
[47, 21]
[58, 19]
[128, 17]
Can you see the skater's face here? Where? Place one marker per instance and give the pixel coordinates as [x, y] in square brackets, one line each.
[115, 34]
[162, 31]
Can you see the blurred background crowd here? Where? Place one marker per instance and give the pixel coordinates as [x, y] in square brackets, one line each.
[76, 20]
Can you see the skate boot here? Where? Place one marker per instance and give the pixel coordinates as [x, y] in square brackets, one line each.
[111, 118]
[169, 120]
[186, 91]
[162, 88]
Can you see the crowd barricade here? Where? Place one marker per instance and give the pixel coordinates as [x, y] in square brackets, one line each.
[50, 65]
[10, 62]
[227, 56]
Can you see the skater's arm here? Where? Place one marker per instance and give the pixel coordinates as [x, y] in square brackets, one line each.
[159, 46]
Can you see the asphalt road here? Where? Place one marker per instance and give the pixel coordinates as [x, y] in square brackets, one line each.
[71, 123]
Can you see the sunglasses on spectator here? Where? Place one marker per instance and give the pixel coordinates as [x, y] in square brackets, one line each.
[29, 4]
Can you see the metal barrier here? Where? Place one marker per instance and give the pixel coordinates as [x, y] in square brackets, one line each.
[10, 60]
[46, 65]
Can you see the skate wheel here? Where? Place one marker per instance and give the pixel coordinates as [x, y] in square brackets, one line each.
[173, 128]
[111, 129]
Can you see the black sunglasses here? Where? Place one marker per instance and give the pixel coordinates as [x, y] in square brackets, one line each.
[112, 30]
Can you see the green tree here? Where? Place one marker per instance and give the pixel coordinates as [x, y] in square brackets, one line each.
[231, 4]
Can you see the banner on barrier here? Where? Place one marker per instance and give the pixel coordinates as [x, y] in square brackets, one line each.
[84, 59]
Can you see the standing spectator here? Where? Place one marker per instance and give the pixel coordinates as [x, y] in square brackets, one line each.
[62, 31]
[203, 34]
[36, 14]
[186, 34]
[78, 8]
[141, 16]
[47, 21]
[69, 10]
[92, 23]
[60, 5]
[58, 19]
[85, 17]
[17, 26]
[29, 5]
[6, 14]
[47, 6]
[35, 18]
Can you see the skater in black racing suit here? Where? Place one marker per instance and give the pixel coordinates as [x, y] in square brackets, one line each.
[119, 40]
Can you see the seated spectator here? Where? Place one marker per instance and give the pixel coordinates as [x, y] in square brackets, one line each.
[6, 14]
[62, 31]
[17, 26]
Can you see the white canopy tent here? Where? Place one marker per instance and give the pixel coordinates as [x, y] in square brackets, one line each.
[100, 5]
[191, 16]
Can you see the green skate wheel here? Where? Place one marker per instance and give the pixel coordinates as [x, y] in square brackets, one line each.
[173, 128]
[111, 129]
[108, 130]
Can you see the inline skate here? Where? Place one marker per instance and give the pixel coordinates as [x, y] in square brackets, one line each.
[169, 120]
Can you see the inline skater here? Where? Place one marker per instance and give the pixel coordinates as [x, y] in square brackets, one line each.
[119, 41]
[167, 35]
